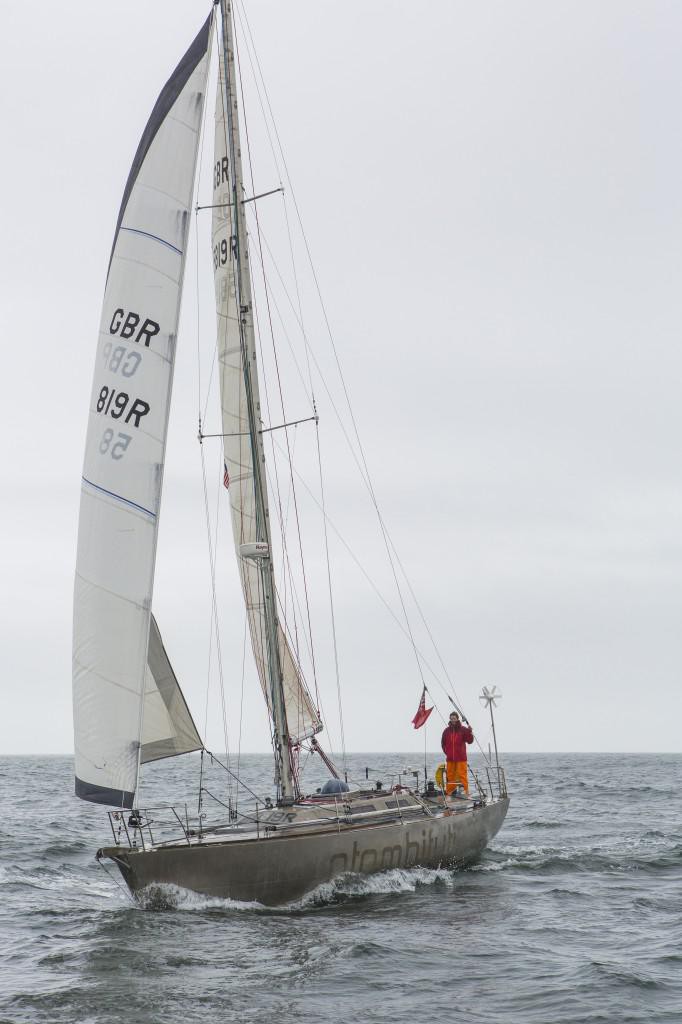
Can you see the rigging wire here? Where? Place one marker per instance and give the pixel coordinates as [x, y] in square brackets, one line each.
[366, 475]
[369, 579]
[286, 563]
[126, 892]
[226, 767]
[359, 467]
[287, 573]
[212, 543]
[212, 540]
[390, 546]
[197, 184]
[270, 298]
[241, 709]
[331, 602]
[309, 395]
[322, 505]
[348, 441]
[279, 381]
[363, 468]
[257, 638]
[284, 518]
[214, 604]
[240, 284]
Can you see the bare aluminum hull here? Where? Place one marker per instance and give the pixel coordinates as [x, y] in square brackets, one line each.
[282, 868]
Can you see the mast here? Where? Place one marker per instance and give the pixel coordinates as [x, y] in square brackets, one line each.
[239, 247]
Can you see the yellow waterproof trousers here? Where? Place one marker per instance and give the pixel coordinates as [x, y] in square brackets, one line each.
[457, 774]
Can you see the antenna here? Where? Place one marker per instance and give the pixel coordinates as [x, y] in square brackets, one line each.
[489, 699]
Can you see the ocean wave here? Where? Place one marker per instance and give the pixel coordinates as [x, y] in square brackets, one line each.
[571, 914]
[65, 879]
[354, 886]
[622, 976]
[164, 896]
[634, 856]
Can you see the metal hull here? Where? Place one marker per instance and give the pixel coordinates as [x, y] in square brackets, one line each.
[282, 868]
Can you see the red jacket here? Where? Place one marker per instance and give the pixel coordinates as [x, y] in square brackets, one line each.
[454, 741]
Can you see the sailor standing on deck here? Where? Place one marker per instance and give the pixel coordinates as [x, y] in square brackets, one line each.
[453, 741]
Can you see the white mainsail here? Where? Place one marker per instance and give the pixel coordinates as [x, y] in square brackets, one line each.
[234, 344]
[113, 687]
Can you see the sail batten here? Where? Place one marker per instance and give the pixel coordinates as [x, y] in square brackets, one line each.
[114, 687]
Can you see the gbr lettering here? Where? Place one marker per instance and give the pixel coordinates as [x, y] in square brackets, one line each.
[125, 324]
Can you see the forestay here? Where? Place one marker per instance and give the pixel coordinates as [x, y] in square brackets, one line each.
[124, 458]
[234, 346]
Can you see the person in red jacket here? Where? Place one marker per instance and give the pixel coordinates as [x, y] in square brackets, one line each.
[454, 743]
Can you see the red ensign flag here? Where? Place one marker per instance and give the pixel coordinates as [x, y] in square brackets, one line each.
[422, 712]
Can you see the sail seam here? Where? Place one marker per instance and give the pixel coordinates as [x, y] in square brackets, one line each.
[105, 679]
[174, 119]
[147, 187]
[155, 238]
[112, 593]
[119, 497]
[147, 266]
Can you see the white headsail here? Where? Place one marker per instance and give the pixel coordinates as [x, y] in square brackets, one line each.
[236, 344]
[113, 687]
[168, 728]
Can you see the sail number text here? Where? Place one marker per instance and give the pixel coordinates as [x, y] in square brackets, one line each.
[220, 254]
[119, 359]
[220, 172]
[118, 404]
[119, 446]
[126, 323]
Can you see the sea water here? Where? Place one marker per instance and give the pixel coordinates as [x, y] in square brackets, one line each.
[573, 914]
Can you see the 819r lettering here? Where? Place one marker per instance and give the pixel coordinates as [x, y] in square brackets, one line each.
[115, 405]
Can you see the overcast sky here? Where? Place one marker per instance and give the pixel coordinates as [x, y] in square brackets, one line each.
[492, 196]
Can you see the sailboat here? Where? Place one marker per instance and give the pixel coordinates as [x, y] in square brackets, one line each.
[129, 708]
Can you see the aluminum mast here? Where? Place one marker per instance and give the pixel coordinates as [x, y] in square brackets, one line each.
[239, 244]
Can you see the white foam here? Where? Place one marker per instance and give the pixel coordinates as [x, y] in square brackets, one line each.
[495, 865]
[394, 880]
[164, 896]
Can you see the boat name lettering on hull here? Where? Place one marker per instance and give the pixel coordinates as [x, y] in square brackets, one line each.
[125, 325]
[414, 850]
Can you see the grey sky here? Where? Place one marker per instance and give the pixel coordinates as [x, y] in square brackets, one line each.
[492, 196]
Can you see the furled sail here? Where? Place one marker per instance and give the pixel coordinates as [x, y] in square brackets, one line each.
[234, 344]
[124, 455]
